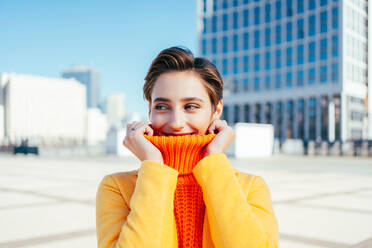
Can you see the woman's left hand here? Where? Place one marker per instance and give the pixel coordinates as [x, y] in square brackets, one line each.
[223, 139]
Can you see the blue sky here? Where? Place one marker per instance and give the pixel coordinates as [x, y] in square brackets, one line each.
[118, 38]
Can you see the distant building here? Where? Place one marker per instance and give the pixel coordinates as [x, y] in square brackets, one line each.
[96, 127]
[89, 77]
[47, 111]
[115, 109]
[300, 65]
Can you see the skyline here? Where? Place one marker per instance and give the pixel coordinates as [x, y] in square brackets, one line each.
[99, 35]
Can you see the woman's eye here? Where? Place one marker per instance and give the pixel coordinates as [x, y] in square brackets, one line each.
[160, 107]
[191, 107]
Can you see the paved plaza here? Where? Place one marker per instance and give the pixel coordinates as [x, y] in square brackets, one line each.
[320, 202]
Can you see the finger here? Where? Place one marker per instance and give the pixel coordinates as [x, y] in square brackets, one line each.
[212, 127]
[220, 125]
[139, 124]
[149, 130]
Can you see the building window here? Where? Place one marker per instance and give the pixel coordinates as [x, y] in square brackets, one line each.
[323, 21]
[256, 62]
[257, 39]
[289, 80]
[267, 37]
[312, 4]
[256, 13]
[236, 113]
[235, 3]
[225, 44]
[312, 76]
[267, 61]
[235, 20]
[204, 46]
[300, 29]
[278, 81]
[246, 18]
[312, 51]
[289, 8]
[323, 74]
[235, 86]
[323, 2]
[312, 25]
[278, 56]
[236, 42]
[267, 12]
[300, 6]
[204, 25]
[224, 66]
[290, 119]
[289, 56]
[236, 65]
[214, 24]
[247, 113]
[225, 4]
[246, 63]
[335, 46]
[301, 118]
[268, 82]
[300, 78]
[278, 10]
[335, 18]
[312, 118]
[323, 49]
[278, 120]
[246, 84]
[214, 45]
[225, 23]
[334, 72]
[300, 54]
[246, 41]
[278, 34]
[256, 84]
[257, 113]
[214, 5]
[289, 31]
[356, 116]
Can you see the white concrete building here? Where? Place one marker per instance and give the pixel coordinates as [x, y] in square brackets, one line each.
[44, 110]
[300, 65]
[115, 109]
[96, 127]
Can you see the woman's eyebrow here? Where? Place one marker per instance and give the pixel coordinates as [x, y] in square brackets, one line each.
[161, 99]
[186, 99]
[189, 99]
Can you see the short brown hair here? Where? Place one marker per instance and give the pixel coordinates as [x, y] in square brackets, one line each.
[182, 59]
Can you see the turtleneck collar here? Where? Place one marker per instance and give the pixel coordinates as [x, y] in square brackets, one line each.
[181, 153]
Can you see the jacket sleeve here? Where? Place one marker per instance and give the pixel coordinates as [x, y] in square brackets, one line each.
[147, 220]
[237, 219]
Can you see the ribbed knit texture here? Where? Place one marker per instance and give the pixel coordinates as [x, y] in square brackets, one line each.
[182, 153]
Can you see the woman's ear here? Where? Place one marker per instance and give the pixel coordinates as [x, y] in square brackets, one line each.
[217, 113]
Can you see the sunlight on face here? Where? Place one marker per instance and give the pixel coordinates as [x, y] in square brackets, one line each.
[180, 105]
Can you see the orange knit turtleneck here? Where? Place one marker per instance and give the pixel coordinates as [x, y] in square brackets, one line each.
[182, 153]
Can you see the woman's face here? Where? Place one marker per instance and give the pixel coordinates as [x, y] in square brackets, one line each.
[181, 105]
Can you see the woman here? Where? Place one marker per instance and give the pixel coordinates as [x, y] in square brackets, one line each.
[185, 193]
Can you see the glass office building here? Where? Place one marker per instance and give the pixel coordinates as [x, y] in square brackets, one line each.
[300, 65]
[90, 78]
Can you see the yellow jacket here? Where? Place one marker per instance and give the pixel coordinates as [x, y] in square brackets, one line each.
[135, 209]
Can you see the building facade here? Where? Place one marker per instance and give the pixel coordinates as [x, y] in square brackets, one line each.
[89, 77]
[300, 65]
[47, 111]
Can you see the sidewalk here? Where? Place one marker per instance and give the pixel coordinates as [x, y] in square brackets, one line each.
[319, 202]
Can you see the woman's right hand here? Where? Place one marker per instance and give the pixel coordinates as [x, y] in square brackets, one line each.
[142, 148]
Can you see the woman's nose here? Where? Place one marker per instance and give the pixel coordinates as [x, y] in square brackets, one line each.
[176, 121]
